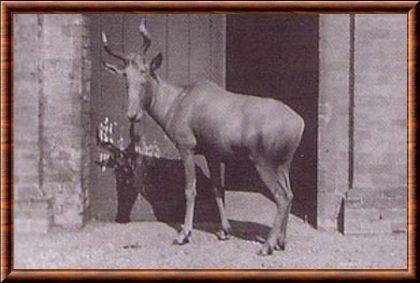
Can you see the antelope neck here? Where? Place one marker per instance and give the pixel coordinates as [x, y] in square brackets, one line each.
[165, 99]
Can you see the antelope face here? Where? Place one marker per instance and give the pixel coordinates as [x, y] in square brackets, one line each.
[139, 75]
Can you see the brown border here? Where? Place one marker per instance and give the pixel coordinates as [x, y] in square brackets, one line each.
[9, 7]
[211, 6]
[412, 69]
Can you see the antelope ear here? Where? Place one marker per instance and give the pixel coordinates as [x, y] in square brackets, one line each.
[156, 62]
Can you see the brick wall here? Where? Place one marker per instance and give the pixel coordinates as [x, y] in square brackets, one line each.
[26, 88]
[377, 202]
[50, 103]
[29, 216]
[362, 134]
[333, 125]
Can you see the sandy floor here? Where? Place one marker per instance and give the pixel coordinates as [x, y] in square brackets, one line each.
[141, 245]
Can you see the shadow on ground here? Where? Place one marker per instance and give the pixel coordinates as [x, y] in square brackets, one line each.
[167, 201]
[245, 230]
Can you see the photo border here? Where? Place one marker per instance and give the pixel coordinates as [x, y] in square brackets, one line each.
[8, 8]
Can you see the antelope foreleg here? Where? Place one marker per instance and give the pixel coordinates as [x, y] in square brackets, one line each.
[190, 193]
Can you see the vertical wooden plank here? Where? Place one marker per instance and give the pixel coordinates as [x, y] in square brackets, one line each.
[132, 38]
[156, 25]
[218, 49]
[95, 52]
[200, 47]
[178, 49]
[112, 107]
[96, 107]
[113, 86]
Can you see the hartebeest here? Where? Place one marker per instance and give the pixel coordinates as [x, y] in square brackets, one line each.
[203, 118]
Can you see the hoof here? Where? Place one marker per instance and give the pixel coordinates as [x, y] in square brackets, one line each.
[265, 250]
[182, 239]
[280, 246]
[223, 235]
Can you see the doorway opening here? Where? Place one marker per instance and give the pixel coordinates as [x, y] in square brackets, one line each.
[277, 56]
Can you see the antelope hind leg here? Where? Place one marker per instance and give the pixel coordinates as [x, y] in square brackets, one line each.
[215, 175]
[282, 195]
[281, 238]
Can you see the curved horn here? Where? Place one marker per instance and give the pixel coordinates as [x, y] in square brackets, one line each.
[110, 52]
[145, 35]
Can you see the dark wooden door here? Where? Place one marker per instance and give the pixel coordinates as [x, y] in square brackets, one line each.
[277, 56]
[193, 48]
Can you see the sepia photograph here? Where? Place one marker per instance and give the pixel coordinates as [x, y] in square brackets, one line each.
[202, 141]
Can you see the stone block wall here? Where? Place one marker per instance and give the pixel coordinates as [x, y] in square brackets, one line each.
[375, 211]
[362, 138]
[333, 125]
[51, 88]
[379, 190]
[26, 88]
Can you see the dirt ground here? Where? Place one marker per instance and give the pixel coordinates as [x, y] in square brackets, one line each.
[144, 245]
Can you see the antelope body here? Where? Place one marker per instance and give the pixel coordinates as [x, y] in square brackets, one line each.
[206, 119]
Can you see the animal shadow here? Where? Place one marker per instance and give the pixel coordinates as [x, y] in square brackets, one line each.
[165, 193]
[244, 230]
[249, 231]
